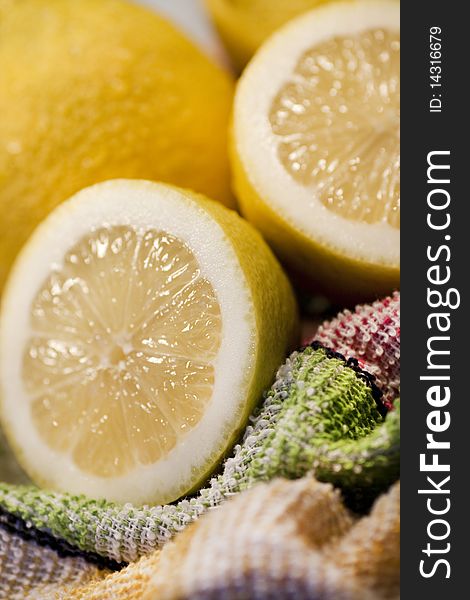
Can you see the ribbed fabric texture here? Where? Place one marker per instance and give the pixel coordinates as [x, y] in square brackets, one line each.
[371, 333]
[284, 540]
[27, 567]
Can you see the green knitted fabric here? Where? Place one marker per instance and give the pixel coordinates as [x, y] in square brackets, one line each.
[363, 467]
[320, 416]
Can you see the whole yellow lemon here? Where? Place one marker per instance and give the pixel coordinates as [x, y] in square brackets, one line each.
[93, 90]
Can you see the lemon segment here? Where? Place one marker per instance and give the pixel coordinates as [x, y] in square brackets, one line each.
[135, 341]
[91, 332]
[338, 122]
[315, 147]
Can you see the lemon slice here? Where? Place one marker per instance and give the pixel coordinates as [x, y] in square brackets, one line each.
[316, 146]
[139, 327]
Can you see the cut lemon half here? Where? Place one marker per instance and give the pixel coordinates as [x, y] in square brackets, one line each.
[139, 327]
[316, 147]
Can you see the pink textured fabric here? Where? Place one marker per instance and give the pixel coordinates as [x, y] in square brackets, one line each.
[371, 334]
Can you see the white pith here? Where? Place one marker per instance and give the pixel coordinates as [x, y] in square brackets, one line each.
[257, 145]
[141, 205]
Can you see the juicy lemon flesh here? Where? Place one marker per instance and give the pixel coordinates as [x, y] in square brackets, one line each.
[119, 364]
[337, 121]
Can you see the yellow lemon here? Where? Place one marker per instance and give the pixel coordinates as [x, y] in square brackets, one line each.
[92, 90]
[245, 24]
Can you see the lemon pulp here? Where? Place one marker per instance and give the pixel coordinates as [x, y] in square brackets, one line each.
[119, 365]
[337, 121]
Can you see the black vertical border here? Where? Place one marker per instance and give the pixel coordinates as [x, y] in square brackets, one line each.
[423, 132]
